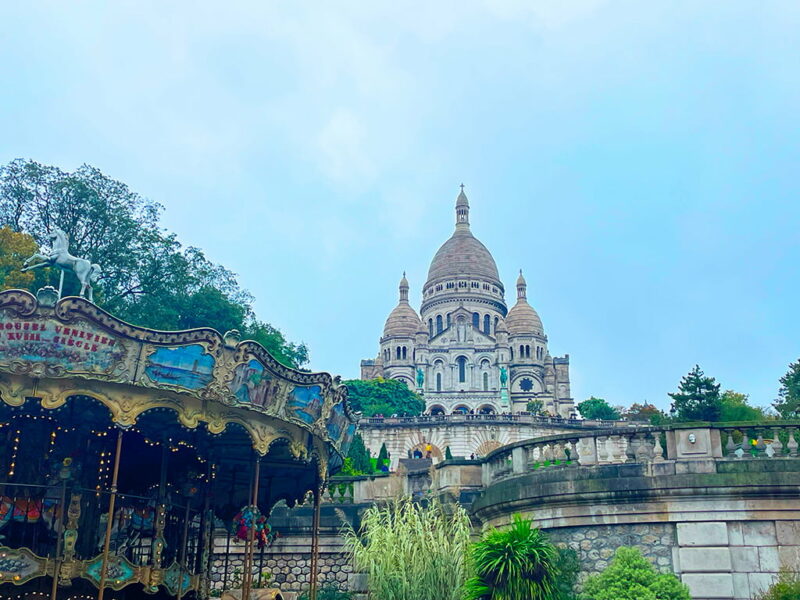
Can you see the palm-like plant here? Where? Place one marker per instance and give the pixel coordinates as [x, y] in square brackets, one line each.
[518, 563]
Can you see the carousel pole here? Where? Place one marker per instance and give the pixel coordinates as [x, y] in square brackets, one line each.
[315, 543]
[185, 540]
[59, 534]
[110, 523]
[248, 549]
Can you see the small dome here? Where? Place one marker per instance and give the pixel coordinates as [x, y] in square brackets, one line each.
[523, 319]
[403, 321]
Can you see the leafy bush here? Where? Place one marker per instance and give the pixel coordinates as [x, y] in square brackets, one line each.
[568, 567]
[630, 576]
[786, 588]
[412, 551]
[518, 563]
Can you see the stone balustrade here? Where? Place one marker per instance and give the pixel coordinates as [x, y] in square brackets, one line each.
[503, 418]
[644, 444]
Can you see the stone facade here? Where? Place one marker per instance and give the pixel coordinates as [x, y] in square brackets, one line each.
[466, 351]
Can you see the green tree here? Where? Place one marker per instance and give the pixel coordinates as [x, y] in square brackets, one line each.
[697, 398]
[383, 455]
[788, 402]
[598, 408]
[359, 456]
[645, 413]
[630, 576]
[15, 248]
[447, 453]
[412, 551]
[736, 407]
[383, 397]
[517, 563]
[148, 277]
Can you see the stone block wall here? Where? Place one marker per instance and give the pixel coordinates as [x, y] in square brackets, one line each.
[735, 559]
[290, 570]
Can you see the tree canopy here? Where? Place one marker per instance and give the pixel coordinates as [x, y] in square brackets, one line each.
[736, 407]
[697, 398]
[788, 402]
[646, 413]
[383, 397]
[148, 277]
[598, 408]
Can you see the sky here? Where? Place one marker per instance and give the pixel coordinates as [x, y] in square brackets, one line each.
[638, 160]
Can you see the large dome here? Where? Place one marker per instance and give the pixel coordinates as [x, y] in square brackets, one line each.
[463, 255]
[522, 319]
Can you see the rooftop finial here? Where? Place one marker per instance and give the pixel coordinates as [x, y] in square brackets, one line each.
[404, 288]
[462, 210]
[522, 286]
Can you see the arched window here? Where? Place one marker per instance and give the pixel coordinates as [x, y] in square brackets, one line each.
[438, 382]
[486, 324]
[476, 320]
[462, 369]
[438, 324]
[485, 381]
[430, 327]
[404, 352]
[448, 320]
[522, 351]
[496, 321]
[527, 351]
[397, 353]
[512, 353]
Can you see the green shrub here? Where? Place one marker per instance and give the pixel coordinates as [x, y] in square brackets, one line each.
[411, 551]
[518, 563]
[630, 576]
[786, 588]
[568, 566]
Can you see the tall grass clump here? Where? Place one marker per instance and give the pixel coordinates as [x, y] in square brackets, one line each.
[517, 563]
[412, 551]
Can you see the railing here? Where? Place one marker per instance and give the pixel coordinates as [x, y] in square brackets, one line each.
[737, 441]
[519, 418]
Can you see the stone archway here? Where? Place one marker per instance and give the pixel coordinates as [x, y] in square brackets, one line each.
[486, 447]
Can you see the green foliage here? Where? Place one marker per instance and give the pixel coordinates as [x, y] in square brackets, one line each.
[412, 551]
[788, 402]
[327, 592]
[535, 407]
[598, 408]
[359, 456]
[568, 567]
[148, 277]
[518, 563]
[786, 588]
[447, 454]
[383, 455]
[630, 576]
[697, 398]
[735, 407]
[383, 397]
[645, 413]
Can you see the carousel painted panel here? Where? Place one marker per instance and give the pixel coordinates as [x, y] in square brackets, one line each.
[254, 385]
[190, 367]
[79, 348]
[304, 403]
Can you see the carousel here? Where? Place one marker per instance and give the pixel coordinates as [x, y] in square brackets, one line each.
[123, 450]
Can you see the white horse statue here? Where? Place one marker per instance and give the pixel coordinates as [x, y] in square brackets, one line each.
[60, 257]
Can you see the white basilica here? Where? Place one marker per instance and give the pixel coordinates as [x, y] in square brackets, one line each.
[466, 351]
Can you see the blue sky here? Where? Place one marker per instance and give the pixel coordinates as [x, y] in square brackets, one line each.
[639, 160]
